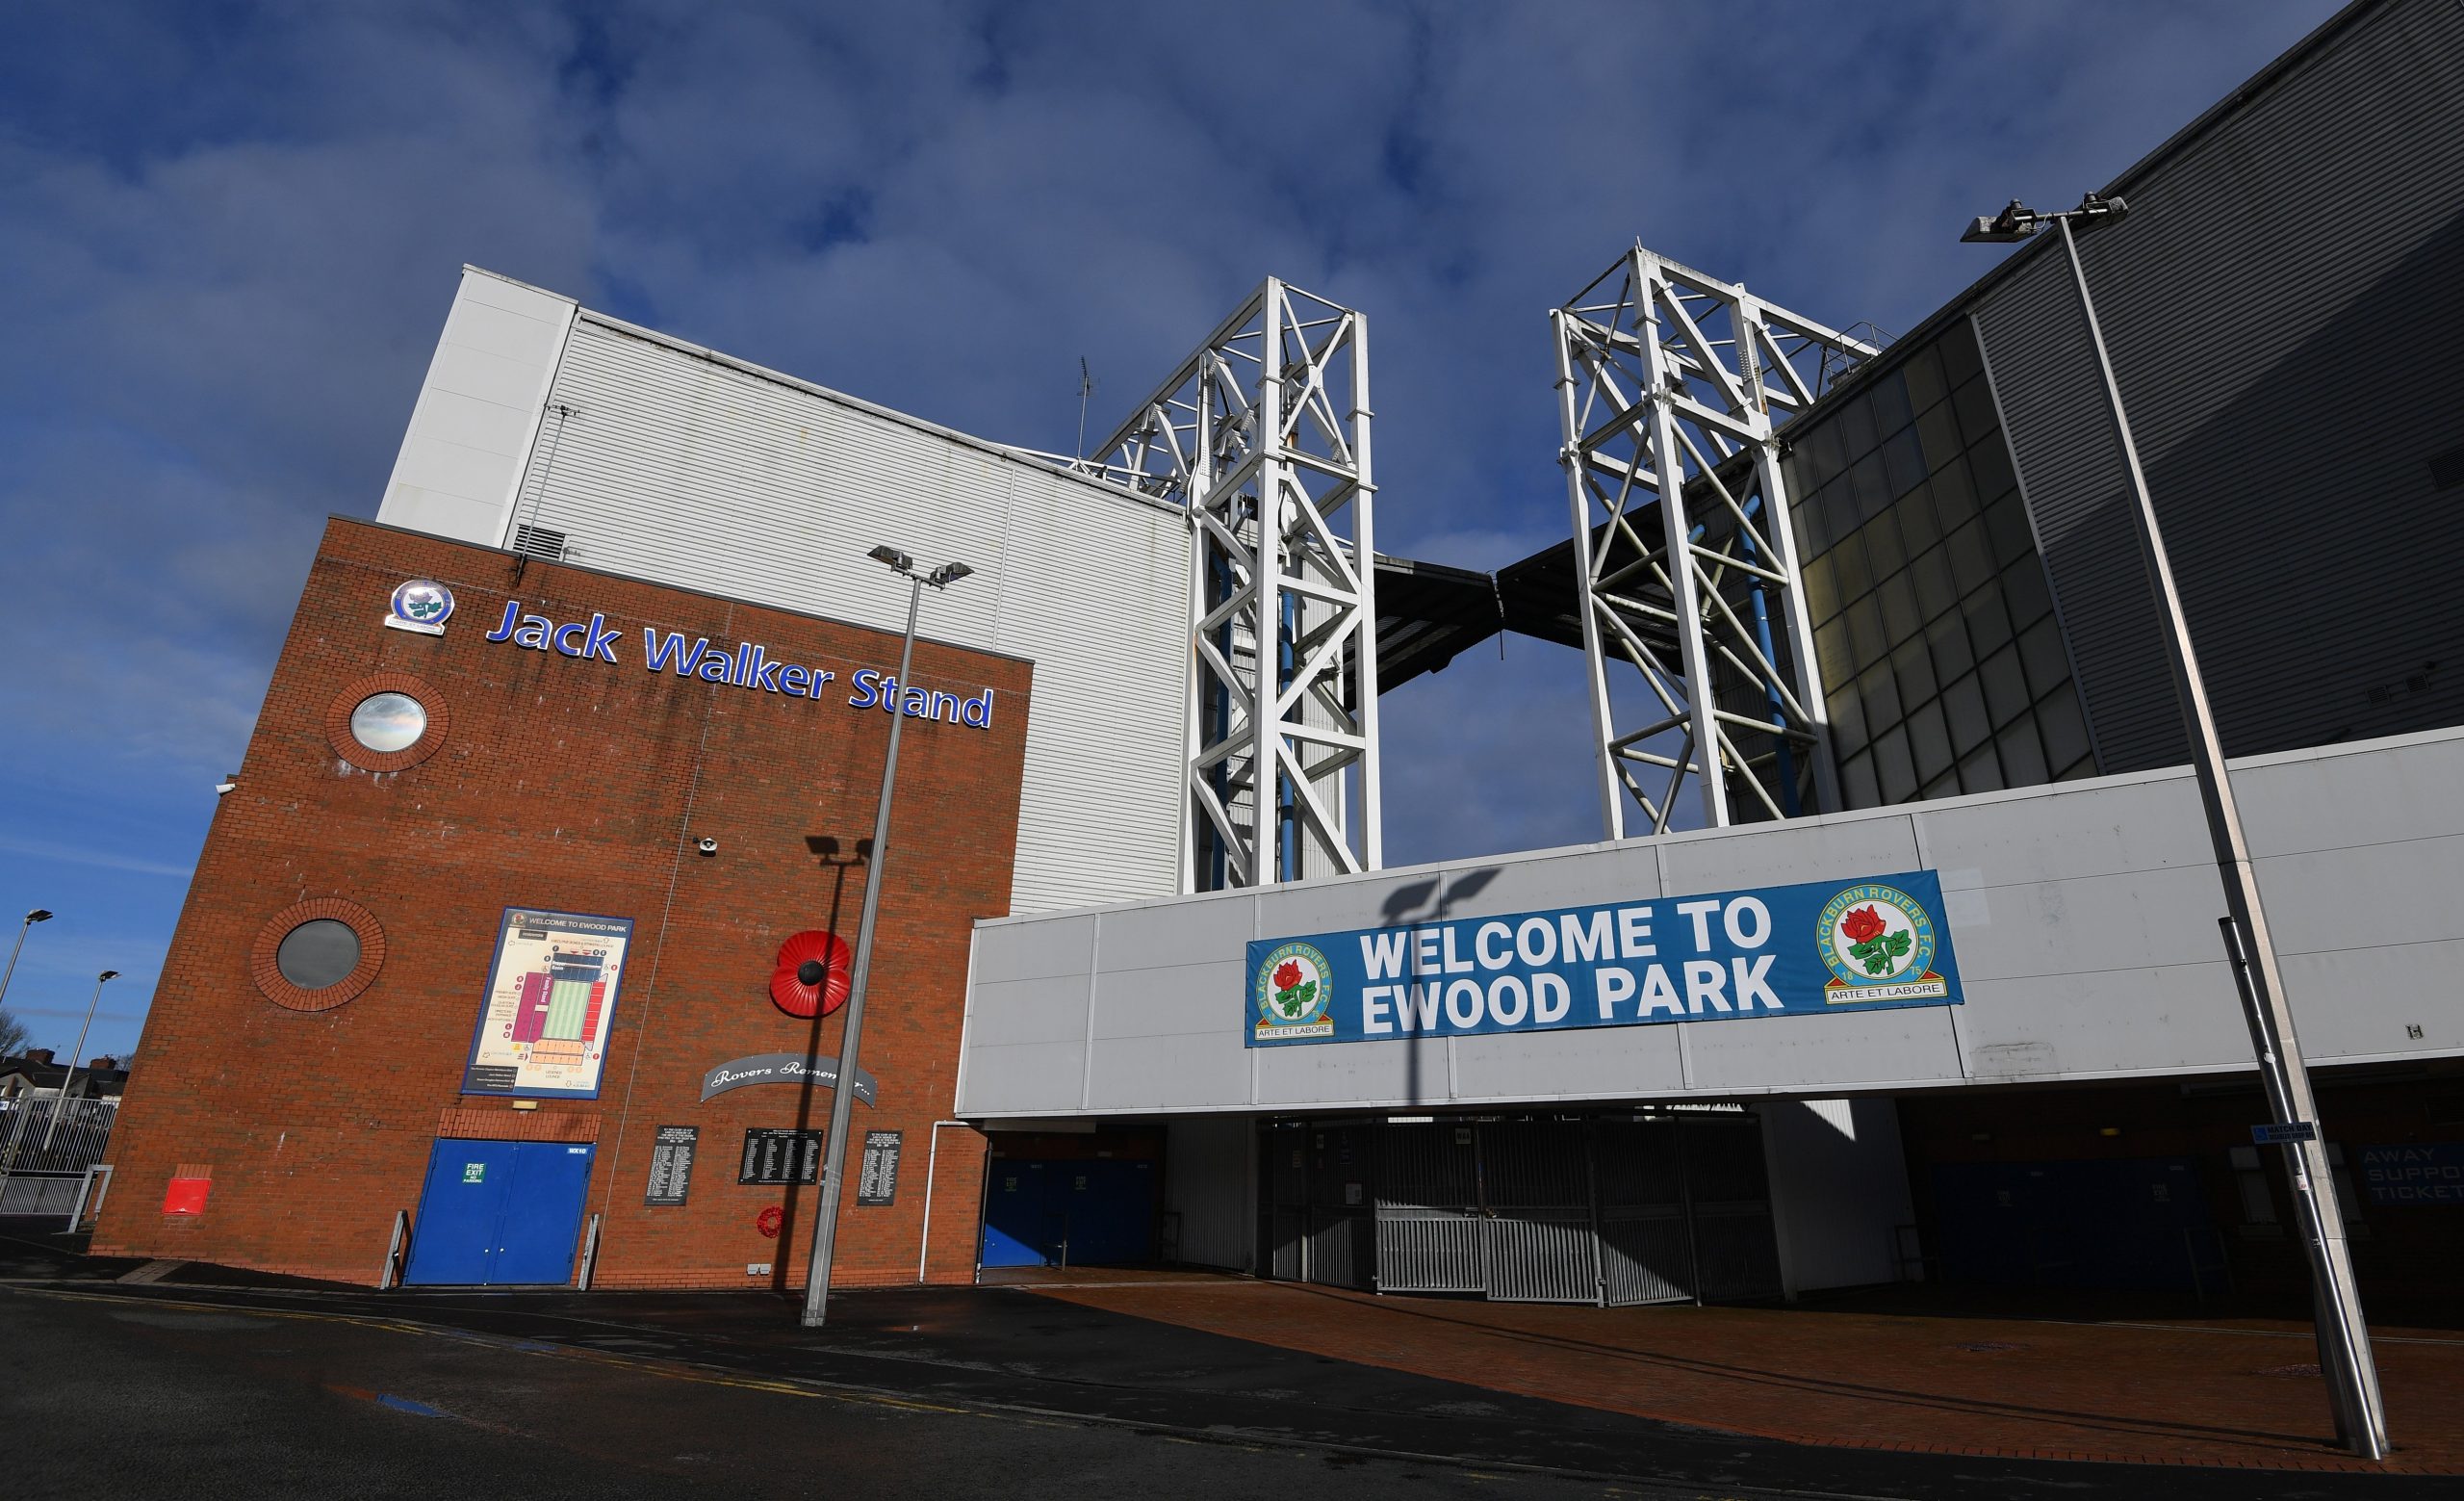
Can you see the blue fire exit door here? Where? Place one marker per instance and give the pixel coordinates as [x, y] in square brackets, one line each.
[498, 1213]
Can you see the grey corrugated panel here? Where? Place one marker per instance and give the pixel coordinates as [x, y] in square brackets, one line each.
[2271, 306]
[690, 471]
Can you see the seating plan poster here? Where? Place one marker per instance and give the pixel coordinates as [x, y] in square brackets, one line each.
[552, 999]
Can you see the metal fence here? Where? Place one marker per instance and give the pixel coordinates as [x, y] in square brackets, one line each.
[30, 1144]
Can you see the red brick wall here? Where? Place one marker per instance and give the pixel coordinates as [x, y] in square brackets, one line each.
[577, 785]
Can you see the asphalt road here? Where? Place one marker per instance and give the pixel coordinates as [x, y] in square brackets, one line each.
[178, 1389]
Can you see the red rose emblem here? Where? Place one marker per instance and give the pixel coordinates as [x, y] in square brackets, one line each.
[1287, 975]
[1861, 924]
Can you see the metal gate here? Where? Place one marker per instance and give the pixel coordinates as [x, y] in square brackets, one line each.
[1624, 1210]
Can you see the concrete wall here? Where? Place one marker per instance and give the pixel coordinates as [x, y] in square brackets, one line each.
[2084, 917]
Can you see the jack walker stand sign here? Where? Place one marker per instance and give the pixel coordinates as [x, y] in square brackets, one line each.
[1780, 950]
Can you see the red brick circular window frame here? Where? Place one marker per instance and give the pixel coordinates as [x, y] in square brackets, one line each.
[347, 745]
[264, 965]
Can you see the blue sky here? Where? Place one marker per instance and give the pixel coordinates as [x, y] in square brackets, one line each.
[228, 235]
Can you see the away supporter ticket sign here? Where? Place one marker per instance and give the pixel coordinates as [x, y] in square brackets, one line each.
[1778, 951]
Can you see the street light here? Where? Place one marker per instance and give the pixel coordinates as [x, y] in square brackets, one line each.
[38, 914]
[842, 1096]
[70, 1077]
[2344, 1337]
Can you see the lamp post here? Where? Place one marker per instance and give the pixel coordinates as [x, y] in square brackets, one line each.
[70, 1077]
[38, 914]
[2343, 1338]
[842, 1098]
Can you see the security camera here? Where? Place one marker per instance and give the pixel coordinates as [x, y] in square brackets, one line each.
[706, 846]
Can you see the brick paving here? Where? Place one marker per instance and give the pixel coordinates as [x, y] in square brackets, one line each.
[2240, 1392]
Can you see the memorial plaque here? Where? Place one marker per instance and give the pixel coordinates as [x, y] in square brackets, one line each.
[777, 1155]
[879, 1183]
[672, 1164]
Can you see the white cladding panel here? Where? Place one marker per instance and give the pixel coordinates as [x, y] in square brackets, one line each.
[663, 463]
[2083, 915]
[470, 429]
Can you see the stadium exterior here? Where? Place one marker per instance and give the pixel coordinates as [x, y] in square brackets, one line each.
[1937, 991]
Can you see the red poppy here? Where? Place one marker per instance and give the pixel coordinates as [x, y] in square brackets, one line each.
[768, 1221]
[812, 975]
[1287, 977]
[1861, 924]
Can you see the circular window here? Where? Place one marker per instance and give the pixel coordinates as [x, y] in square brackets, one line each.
[317, 953]
[388, 722]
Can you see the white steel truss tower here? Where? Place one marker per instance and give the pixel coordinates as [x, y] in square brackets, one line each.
[1671, 387]
[1263, 434]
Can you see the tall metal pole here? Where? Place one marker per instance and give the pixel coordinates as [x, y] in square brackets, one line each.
[2353, 1376]
[70, 1077]
[842, 1096]
[38, 914]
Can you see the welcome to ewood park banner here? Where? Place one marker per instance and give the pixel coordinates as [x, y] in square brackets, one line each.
[1779, 951]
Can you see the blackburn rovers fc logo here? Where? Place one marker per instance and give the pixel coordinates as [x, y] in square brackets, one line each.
[421, 604]
[1879, 945]
[1295, 987]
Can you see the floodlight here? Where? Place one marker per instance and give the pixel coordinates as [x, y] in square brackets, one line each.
[2016, 222]
[948, 572]
[895, 557]
[38, 914]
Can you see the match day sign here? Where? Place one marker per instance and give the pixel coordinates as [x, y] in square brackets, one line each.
[1780, 950]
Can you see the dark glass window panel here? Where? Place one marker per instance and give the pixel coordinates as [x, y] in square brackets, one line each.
[317, 953]
[1901, 619]
[2024, 590]
[1962, 360]
[1866, 638]
[1822, 450]
[1947, 785]
[1847, 721]
[1822, 588]
[2023, 758]
[1885, 552]
[2006, 520]
[1980, 773]
[1991, 462]
[1903, 462]
[1795, 472]
[1882, 698]
[2063, 727]
[1831, 652]
[1914, 669]
[1923, 374]
[1963, 707]
[1891, 406]
[1840, 513]
[1872, 486]
[1813, 532]
[1938, 433]
[2041, 653]
[1929, 740]
[1936, 591]
[1893, 767]
[1974, 404]
[1955, 494]
[1856, 431]
[2077, 770]
[1972, 565]
[1988, 626]
[1857, 783]
[2006, 687]
[1918, 529]
[1946, 637]
[1848, 566]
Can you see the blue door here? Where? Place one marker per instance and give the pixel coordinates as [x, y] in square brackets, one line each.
[496, 1213]
[1075, 1212]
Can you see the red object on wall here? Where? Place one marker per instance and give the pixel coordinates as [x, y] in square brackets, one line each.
[187, 1195]
[768, 1221]
[812, 975]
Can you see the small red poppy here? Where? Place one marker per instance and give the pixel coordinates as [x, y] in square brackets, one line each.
[768, 1221]
[812, 975]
